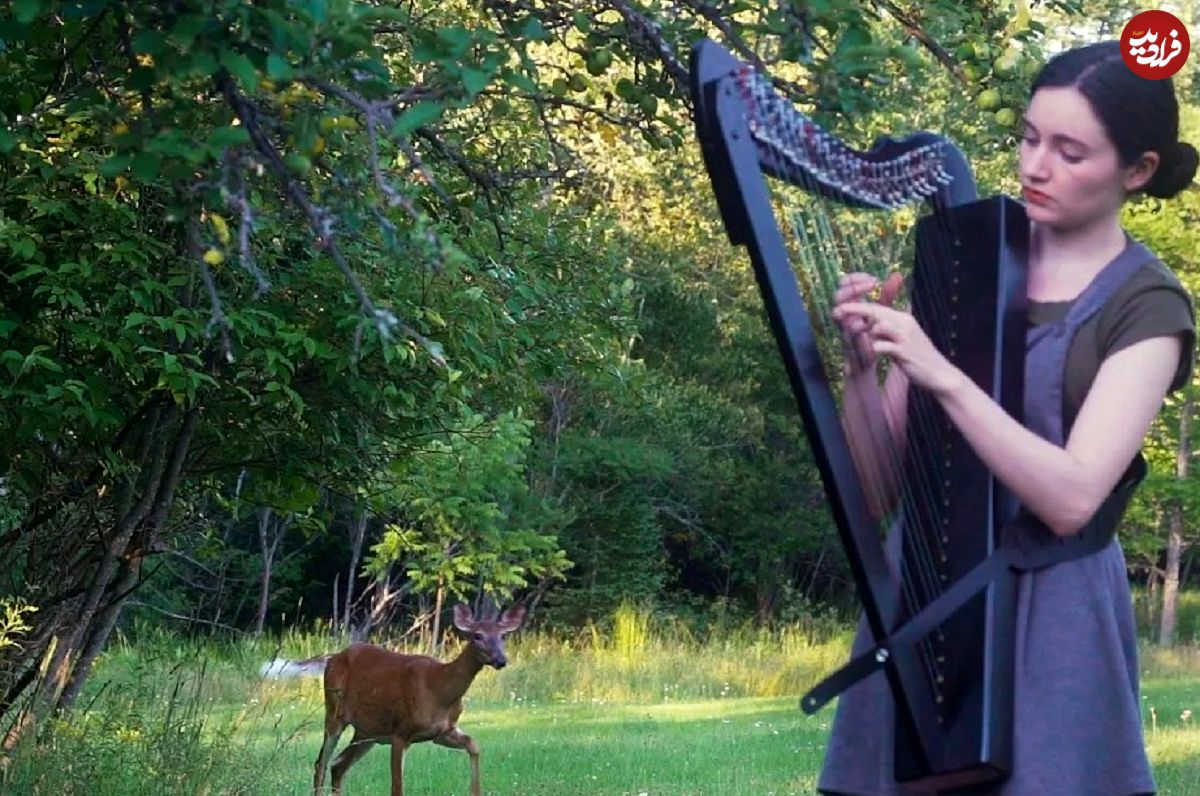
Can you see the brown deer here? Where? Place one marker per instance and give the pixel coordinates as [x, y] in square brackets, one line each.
[406, 699]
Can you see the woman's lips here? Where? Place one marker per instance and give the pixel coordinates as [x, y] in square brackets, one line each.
[1036, 197]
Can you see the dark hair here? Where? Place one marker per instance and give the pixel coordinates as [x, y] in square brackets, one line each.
[1139, 115]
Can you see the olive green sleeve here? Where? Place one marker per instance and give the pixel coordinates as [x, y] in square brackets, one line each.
[1156, 309]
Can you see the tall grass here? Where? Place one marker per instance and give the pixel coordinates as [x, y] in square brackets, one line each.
[646, 660]
[165, 715]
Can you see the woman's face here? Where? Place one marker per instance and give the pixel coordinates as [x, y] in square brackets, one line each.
[1071, 175]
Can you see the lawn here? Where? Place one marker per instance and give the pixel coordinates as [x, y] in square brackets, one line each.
[655, 718]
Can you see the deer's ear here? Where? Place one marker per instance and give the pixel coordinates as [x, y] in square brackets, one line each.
[511, 619]
[464, 620]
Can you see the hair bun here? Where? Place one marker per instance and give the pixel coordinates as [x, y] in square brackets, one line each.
[1175, 172]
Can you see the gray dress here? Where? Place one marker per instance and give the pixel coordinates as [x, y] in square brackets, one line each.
[1077, 712]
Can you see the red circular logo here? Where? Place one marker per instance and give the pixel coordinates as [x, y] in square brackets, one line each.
[1155, 44]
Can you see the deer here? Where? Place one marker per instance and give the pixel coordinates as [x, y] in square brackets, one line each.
[401, 700]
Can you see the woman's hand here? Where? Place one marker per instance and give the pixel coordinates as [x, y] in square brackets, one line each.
[853, 288]
[895, 333]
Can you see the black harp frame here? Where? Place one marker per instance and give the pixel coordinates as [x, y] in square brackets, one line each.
[940, 743]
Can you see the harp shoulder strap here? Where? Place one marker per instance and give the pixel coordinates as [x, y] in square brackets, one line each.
[1047, 348]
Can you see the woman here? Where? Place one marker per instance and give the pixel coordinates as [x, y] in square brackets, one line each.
[1111, 334]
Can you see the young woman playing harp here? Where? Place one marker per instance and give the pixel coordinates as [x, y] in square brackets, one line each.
[1111, 333]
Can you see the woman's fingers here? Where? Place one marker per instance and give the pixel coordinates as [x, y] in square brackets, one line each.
[857, 309]
[892, 287]
[854, 286]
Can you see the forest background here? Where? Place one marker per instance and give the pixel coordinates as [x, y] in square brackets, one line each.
[320, 314]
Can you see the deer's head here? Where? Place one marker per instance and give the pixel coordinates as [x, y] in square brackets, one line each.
[487, 637]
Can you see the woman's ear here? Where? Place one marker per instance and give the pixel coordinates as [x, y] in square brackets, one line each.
[1137, 175]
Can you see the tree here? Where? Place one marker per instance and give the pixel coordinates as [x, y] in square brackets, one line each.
[464, 517]
[301, 237]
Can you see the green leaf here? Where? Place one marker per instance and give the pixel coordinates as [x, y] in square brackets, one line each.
[204, 64]
[475, 80]
[417, 115]
[146, 165]
[228, 136]
[187, 27]
[114, 165]
[26, 10]
[456, 38]
[425, 51]
[278, 67]
[317, 9]
[241, 68]
[520, 80]
[7, 140]
[534, 30]
[855, 36]
[150, 42]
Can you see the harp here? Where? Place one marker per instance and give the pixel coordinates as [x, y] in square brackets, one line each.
[940, 609]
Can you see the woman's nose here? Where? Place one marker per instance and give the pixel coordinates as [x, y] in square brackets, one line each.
[1034, 163]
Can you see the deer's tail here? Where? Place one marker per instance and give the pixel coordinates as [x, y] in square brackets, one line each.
[282, 669]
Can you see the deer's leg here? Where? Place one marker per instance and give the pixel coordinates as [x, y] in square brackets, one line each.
[457, 739]
[399, 747]
[333, 731]
[349, 756]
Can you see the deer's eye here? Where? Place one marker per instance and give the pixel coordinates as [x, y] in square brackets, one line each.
[478, 636]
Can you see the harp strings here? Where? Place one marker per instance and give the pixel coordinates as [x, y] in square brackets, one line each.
[827, 244]
[828, 240]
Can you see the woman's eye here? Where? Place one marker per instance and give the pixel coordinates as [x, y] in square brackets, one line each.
[1072, 158]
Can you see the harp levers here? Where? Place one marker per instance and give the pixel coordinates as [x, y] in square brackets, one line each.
[937, 596]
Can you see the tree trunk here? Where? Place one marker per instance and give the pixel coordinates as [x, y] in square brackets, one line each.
[69, 638]
[1170, 592]
[268, 543]
[337, 586]
[437, 619]
[131, 571]
[358, 533]
[264, 581]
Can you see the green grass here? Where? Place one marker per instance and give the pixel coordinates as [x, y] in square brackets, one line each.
[639, 712]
